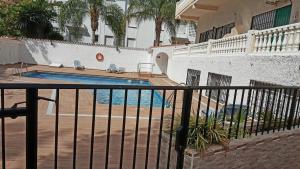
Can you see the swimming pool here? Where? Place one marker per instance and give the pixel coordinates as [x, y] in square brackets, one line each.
[103, 94]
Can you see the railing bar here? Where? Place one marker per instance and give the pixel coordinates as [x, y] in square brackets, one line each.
[239, 116]
[75, 128]
[297, 109]
[254, 112]
[225, 107]
[123, 128]
[149, 129]
[247, 112]
[160, 129]
[266, 111]
[277, 109]
[232, 113]
[56, 128]
[207, 113]
[198, 107]
[282, 109]
[217, 108]
[260, 111]
[272, 111]
[108, 129]
[93, 128]
[3, 132]
[171, 129]
[136, 128]
[287, 111]
[91, 86]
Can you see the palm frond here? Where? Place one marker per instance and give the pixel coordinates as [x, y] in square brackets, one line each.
[115, 18]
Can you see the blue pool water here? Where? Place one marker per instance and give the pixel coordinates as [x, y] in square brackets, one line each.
[103, 95]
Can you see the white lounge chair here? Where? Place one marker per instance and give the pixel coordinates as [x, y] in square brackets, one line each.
[56, 65]
[112, 68]
[121, 70]
[77, 65]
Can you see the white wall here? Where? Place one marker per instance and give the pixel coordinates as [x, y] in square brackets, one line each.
[44, 53]
[283, 70]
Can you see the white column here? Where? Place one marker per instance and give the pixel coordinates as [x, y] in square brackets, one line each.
[265, 42]
[291, 39]
[269, 44]
[261, 42]
[256, 44]
[274, 42]
[285, 40]
[297, 39]
[279, 41]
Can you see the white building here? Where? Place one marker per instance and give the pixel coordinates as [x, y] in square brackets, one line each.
[240, 42]
[137, 35]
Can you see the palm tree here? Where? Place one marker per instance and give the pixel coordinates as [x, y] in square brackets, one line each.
[73, 12]
[112, 14]
[161, 11]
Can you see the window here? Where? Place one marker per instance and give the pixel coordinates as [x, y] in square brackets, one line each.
[274, 18]
[109, 40]
[132, 23]
[96, 38]
[131, 42]
[218, 80]
[216, 33]
[193, 77]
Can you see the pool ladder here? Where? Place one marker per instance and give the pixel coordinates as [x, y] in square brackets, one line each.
[19, 70]
[170, 98]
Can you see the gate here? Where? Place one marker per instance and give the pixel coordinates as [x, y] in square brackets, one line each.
[126, 131]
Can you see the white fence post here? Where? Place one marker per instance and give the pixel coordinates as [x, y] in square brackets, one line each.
[209, 46]
[250, 42]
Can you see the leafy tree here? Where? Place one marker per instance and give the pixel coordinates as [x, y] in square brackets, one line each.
[8, 18]
[34, 19]
[161, 11]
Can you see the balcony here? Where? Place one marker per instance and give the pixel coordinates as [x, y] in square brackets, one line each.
[193, 9]
[284, 40]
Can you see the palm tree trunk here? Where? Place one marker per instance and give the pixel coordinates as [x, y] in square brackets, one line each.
[93, 36]
[158, 24]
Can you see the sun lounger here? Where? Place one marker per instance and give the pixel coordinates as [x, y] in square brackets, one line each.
[121, 70]
[112, 68]
[56, 65]
[77, 65]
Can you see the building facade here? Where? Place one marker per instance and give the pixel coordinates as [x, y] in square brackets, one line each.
[138, 35]
[217, 18]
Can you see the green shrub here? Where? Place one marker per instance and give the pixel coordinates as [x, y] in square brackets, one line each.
[204, 134]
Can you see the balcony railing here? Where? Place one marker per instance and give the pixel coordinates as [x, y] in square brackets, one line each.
[284, 40]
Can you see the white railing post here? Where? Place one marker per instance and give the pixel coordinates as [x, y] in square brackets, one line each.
[297, 39]
[209, 46]
[251, 42]
[279, 41]
[274, 43]
[285, 40]
[290, 44]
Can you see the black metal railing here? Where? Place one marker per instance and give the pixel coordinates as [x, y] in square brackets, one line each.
[142, 118]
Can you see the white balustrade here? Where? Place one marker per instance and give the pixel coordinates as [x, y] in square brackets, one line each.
[230, 45]
[280, 40]
[200, 48]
